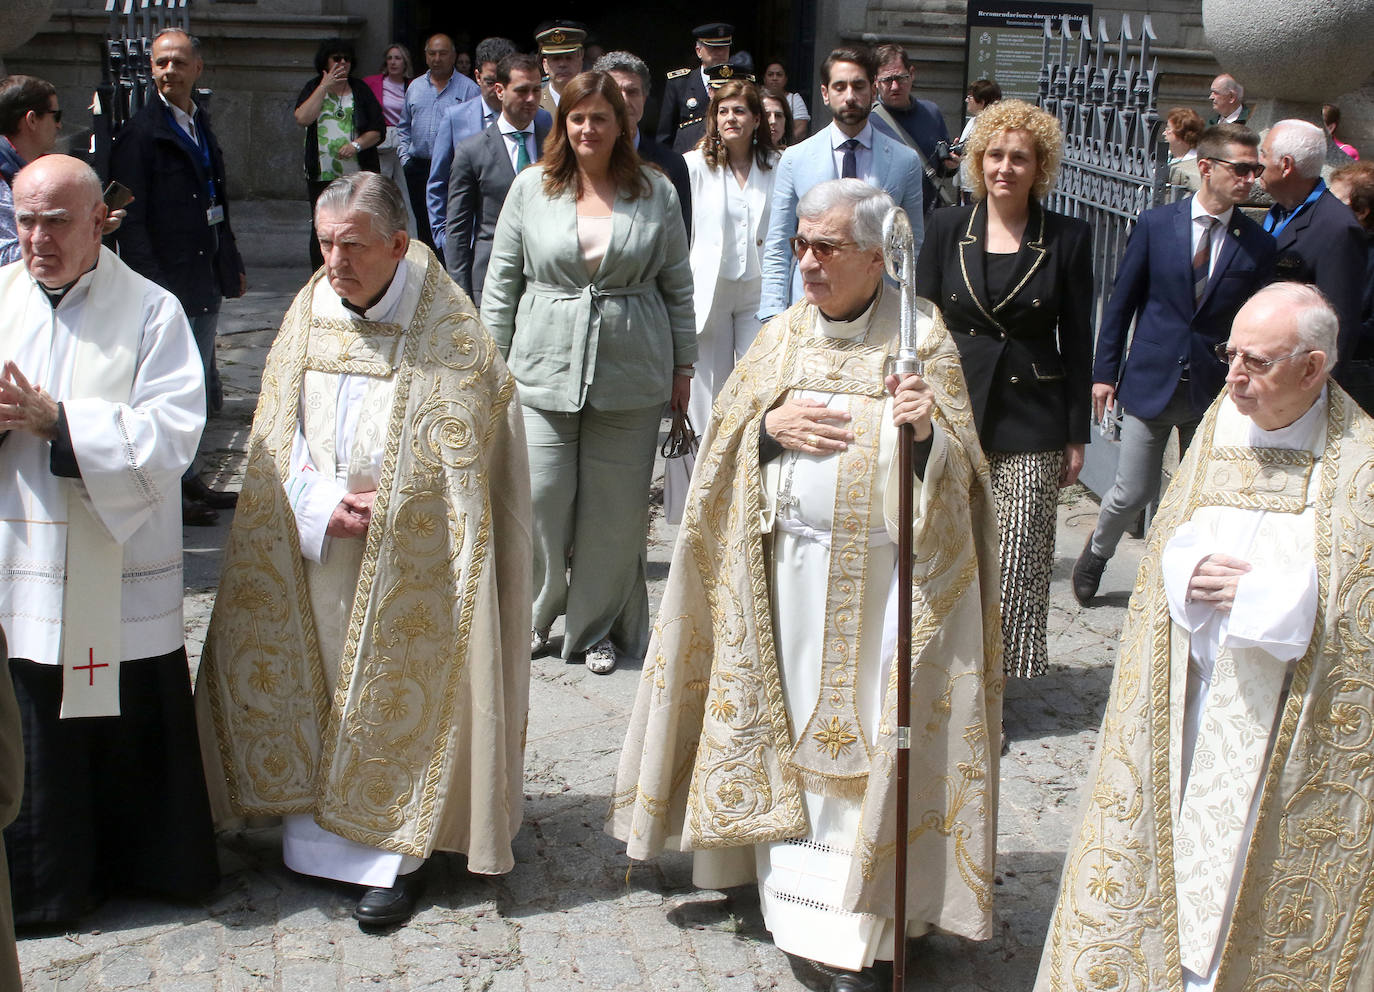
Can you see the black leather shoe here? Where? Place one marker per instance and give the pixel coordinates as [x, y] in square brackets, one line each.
[195, 515]
[868, 980]
[1087, 574]
[386, 907]
[216, 499]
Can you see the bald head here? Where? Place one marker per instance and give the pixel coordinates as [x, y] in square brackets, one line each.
[58, 212]
[440, 57]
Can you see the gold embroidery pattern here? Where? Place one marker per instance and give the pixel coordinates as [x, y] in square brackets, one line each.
[373, 762]
[1301, 916]
[702, 754]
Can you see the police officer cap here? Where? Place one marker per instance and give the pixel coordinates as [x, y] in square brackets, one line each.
[714, 34]
[560, 37]
[719, 75]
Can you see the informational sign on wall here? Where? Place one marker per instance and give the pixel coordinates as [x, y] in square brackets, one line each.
[1005, 40]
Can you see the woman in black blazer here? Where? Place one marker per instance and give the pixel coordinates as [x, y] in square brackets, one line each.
[1014, 282]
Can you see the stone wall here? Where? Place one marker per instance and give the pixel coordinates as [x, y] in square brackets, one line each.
[257, 58]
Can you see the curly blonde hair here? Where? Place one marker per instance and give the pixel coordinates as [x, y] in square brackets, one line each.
[1017, 115]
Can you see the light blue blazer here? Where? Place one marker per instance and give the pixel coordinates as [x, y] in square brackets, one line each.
[896, 168]
[610, 340]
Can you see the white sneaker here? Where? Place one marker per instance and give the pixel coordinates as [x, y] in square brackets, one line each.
[539, 641]
[601, 658]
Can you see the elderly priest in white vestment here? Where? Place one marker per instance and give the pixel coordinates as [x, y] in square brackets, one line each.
[763, 735]
[102, 401]
[366, 674]
[1227, 841]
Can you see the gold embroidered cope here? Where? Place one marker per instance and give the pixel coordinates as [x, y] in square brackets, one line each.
[418, 743]
[710, 755]
[1302, 913]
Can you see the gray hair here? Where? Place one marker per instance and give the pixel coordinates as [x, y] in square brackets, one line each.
[1317, 324]
[1229, 84]
[195, 42]
[1303, 142]
[867, 206]
[624, 62]
[493, 50]
[376, 195]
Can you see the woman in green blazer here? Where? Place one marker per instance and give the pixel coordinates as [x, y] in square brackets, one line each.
[589, 296]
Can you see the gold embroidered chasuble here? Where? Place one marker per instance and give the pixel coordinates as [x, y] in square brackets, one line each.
[1302, 910]
[711, 760]
[415, 742]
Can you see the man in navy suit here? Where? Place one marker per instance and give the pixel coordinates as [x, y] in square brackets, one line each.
[632, 76]
[457, 125]
[849, 148]
[1319, 239]
[484, 167]
[1188, 269]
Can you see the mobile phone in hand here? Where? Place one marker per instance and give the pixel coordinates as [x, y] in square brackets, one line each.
[118, 196]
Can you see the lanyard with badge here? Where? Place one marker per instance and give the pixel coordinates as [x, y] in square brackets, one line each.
[1275, 226]
[214, 214]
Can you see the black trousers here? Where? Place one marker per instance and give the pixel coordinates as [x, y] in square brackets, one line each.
[417, 179]
[110, 803]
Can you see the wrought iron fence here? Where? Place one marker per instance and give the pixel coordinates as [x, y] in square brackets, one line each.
[1104, 93]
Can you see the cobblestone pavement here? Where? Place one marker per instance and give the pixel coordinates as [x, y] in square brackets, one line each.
[574, 913]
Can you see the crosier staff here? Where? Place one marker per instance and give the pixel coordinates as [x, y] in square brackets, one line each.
[899, 257]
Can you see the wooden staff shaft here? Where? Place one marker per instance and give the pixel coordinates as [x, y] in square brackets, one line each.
[906, 515]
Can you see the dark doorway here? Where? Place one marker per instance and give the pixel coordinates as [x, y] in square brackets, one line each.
[660, 34]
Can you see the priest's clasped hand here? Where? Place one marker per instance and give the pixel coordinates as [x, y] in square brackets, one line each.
[802, 425]
[351, 517]
[24, 407]
[912, 402]
[1214, 581]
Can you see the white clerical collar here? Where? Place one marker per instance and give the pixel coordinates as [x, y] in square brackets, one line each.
[864, 137]
[185, 121]
[849, 330]
[1198, 210]
[1300, 434]
[383, 309]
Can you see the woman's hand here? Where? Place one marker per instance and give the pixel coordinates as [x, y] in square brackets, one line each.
[1073, 464]
[802, 425]
[682, 392]
[912, 402]
[349, 150]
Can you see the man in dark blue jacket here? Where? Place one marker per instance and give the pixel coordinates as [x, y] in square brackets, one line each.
[1188, 268]
[177, 232]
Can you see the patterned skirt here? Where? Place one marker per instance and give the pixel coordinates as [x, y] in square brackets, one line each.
[1025, 485]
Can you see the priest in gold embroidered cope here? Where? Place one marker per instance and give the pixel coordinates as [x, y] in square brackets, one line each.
[763, 735]
[1228, 826]
[366, 672]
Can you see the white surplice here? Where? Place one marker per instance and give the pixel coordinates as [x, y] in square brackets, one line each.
[1271, 620]
[327, 461]
[802, 881]
[131, 456]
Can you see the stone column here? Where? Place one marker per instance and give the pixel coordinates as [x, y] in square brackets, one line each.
[20, 21]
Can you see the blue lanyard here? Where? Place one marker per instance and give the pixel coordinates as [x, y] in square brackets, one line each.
[1275, 226]
[200, 147]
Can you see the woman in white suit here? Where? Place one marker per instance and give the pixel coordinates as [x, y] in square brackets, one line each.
[731, 170]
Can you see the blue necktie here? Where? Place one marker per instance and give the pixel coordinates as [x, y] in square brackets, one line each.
[849, 168]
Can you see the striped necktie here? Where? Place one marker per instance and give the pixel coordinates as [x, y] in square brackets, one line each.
[1202, 258]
